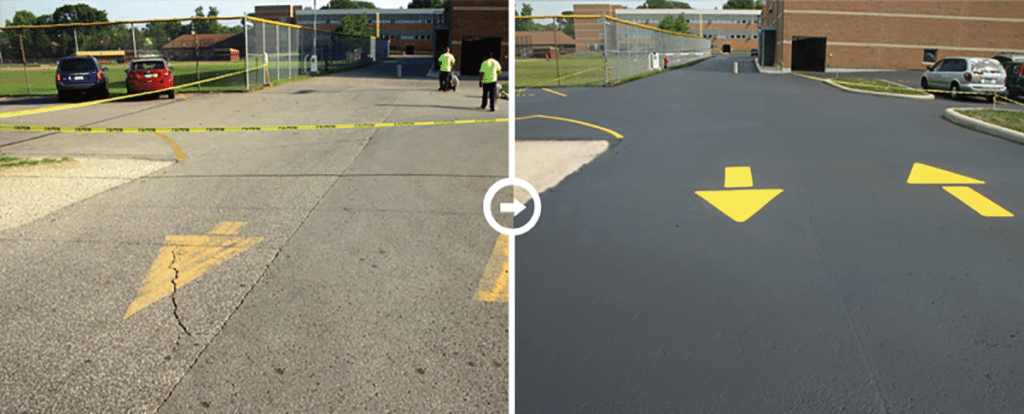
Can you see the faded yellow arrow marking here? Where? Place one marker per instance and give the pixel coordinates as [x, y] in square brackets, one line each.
[494, 283]
[739, 205]
[182, 259]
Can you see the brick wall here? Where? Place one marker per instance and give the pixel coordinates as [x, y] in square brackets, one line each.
[888, 34]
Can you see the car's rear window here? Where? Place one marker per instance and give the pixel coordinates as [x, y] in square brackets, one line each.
[77, 65]
[147, 65]
[986, 65]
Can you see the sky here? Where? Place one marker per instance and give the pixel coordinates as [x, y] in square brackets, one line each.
[542, 7]
[164, 9]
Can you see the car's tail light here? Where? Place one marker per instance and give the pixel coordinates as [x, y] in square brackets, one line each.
[1021, 71]
[99, 75]
[58, 76]
[967, 77]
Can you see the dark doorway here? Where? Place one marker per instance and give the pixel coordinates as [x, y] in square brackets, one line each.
[809, 53]
[410, 50]
[440, 43]
[767, 52]
[473, 53]
[726, 48]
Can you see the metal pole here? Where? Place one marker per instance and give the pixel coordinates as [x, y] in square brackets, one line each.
[315, 68]
[245, 27]
[76, 39]
[266, 76]
[277, 49]
[195, 40]
[554, 40]
[604, 29]
[24, 64]
[135, 48]
[289, 32]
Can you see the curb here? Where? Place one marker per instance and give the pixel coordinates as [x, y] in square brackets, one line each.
[981, 126]
[894, 95]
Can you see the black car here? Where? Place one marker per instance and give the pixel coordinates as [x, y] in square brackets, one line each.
[1014, 65]
[81, 75]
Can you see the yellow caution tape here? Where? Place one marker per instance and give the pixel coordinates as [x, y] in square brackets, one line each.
[101, 130]
[116, 98]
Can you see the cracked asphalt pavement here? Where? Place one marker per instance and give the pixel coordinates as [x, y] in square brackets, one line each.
[357, 298]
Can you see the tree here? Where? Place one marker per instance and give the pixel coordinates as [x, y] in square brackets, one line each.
[675, 24]
[426, 4]
[209, 26]
[664, 4]
[527, 25]
[89, 38]
[567, 25]
[36, 41]
[349, 4]
[743, 4]
[353, 25]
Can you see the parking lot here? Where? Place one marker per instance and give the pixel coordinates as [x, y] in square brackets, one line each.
[769, 243]
[329, 270]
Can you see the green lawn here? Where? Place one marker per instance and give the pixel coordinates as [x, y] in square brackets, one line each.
[875, 85]
[1006, 119]
[12, 81]
[573, 69]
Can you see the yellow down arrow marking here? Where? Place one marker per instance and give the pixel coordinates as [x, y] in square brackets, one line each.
[184, 258]
[739, 205]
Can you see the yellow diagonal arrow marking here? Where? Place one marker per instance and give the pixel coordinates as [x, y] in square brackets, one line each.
[739, 205]
[926, 174]
[494, 283]
[182, 259]
[978, 202]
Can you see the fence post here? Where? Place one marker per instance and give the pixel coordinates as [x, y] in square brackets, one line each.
[277, 49]
[24, 64]
[289, 33]
[245, 27]
[604, 29]
[135, 48]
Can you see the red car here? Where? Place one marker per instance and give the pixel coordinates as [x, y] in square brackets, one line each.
[148, 75]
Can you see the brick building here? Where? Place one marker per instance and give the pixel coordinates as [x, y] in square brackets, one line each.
[410, 31]
[228, 46]
[283, 14]
[886, 34]
[477, 26]
[543, 43]
[589, 31]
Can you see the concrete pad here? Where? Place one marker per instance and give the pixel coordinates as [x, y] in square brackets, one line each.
[544, 164]
[33, 191]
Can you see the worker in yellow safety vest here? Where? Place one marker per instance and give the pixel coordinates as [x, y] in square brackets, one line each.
[447, 62]
[490, 69]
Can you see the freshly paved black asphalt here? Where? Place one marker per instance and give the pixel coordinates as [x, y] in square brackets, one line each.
[852, 291]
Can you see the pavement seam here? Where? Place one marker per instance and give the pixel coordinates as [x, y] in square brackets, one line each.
[266, 269]
[869, 364]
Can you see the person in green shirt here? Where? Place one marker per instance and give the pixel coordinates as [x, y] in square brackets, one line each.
[489, 72]
[447, 62]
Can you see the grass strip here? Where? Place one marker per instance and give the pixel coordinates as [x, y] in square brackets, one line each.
[12, 161]
[1007, 119]
[644, 75]
[875, 85]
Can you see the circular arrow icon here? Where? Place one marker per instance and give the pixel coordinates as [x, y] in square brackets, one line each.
[515, 207]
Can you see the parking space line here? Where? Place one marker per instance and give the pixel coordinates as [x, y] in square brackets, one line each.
[178, 153]
[556, 93]
[493, 285]
[614, 134]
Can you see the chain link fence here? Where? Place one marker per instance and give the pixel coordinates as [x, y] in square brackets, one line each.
[196, 48]
[583, 50]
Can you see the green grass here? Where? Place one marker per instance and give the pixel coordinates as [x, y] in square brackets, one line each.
[41, 79]
[875, 85]
[573, 69]
[11, 161]
[1007, 119]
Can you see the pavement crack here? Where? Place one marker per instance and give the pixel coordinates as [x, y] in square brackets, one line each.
[174, 285]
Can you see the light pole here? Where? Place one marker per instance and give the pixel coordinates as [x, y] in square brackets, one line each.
[315, 67]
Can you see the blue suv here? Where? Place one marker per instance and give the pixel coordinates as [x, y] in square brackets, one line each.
[77, 75]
